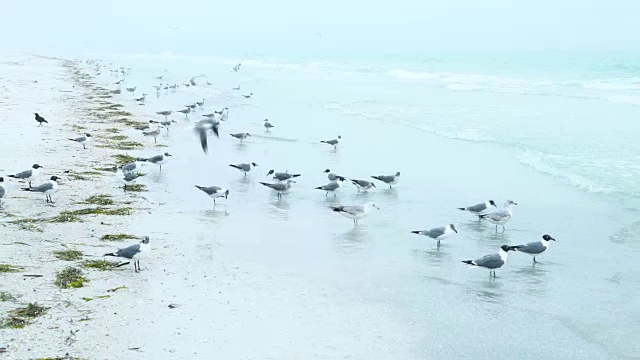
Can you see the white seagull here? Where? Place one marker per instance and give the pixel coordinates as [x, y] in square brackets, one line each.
[355, 212]
[535, 248]
[134, 252]
[47, 188]
[492, 261]
[84, 140]
[214, 192]
[502, 216]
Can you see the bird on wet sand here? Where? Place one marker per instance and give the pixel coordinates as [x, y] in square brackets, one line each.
[355, 212]
[333, 142]
[388, 179]
[438, 233]
[214, 192]
[244, 167]
[491, 262]
[535, 248]
[241, 136]
[279, 187]
[267, 124]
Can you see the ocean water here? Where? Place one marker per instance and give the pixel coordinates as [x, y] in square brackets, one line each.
[266, 278]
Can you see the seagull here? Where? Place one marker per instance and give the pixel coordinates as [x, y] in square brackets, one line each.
[157, 87]
[210, 115]
[388, 179]
[267, 124]
[237, 67]
[363, 185]
[534, 248]
[47, 188]
[200, 103]
[159, 159]
[224, 114]
[332, 186]
[241, 136]
[492, 261]
[192, 106]
[132, 90]
[202, 127]
[165, 123]
[333, 142]
[355, 212]
[502, 216]
[141, 99]
[280, 187]
[333, 177]
[236, 88]
[40, 119]
[248, 96]
[155, 132]
[282, 176]
[129, 166]
[2, 190]
[245, 168]
[145, 127]
[134, 252]
[439, 233]
[185, 111]
[28, 175]
[165, 113]
[84, 140]
[479, 209]
[129, 177]
[214, 192]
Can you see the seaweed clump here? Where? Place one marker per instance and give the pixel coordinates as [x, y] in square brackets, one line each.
[6, 268]
[70, 278]
[99, 200]
[68, 255]
[117, 237]
[22, 317]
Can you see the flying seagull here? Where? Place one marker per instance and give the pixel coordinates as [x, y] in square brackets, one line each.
[134, 252]
[355, 212]
[282, 176]
[84, 140]
[28, 175]
[214, 192]
[40, 119]
[502, 216]
[535, 248]
[245, 167]
[202, 127]
[492, 261]
[388, 179]
[333, 142]
[438, 233]
[47, 188]
[280, 187]
[479, 209]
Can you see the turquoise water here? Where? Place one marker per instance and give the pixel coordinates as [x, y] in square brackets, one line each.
[289, 277]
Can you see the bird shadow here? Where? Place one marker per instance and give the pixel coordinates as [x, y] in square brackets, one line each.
[351, 238]
[217, 213]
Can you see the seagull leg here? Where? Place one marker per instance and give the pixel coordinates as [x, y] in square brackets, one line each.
[503, 228]
[534, 261]
[496, 227]
[139, 266]
[83, 146]
[438, 243]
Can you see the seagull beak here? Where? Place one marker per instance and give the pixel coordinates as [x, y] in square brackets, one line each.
[376, 207]
[416, 232]
[455, 230]
[550, 238]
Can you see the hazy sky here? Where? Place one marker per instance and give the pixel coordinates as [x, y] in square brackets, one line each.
[316, 27]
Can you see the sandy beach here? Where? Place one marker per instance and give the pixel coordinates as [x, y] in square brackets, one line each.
[257, 277]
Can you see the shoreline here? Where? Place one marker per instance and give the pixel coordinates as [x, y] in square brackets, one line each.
[90, 217]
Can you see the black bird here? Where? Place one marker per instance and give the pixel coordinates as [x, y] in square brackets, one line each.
[40, 119]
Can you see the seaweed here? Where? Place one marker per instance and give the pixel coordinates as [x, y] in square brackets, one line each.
[117, 237]
[30, 227]
[102, 265]
[68, 255]
[6, 268]
[21, 317]
[102, 199]
[137, 187]
[70, 278]
[123, 159]
[6, 296]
